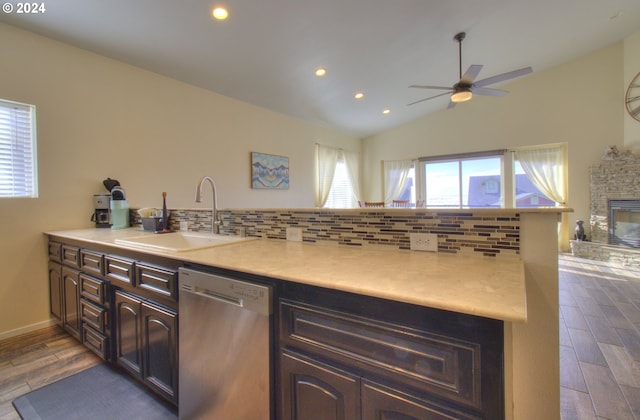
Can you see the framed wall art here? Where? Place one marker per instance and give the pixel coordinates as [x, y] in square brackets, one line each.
[269, 172]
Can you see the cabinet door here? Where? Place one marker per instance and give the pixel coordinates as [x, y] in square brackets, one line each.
[160, 348]
[71, 301]
[55, 290]
[128, 332]
[314, 390]
[380, 402]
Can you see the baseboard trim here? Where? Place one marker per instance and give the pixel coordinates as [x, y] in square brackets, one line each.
[27, 329]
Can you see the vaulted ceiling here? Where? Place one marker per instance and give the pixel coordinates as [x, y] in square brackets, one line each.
[266, 52]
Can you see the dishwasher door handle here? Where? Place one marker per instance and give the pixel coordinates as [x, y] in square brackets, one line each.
[209, 294]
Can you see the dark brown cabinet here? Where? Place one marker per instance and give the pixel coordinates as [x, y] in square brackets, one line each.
[316, 390]
[160, 349]
[55, 290]
[94, 310]
[383, 402]
[123, 309]
[128, 334]
[71, 301]
[345, 356]
[146, 337]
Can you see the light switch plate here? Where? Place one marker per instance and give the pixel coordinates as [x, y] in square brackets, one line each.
[294, 234]
[424, 242]
[184, 225]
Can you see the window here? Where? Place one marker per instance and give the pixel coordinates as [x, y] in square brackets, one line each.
[17, 150]
[341, 192]
[337, 177]
[464, 182]
[534, 176]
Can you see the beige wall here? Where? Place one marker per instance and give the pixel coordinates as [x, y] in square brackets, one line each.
[100, 118]
[631, 68]
[578, 103]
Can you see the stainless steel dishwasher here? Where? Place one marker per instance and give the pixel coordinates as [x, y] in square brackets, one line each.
[224, 347]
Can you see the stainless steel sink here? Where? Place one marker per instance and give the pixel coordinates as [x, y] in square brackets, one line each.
[180, 241]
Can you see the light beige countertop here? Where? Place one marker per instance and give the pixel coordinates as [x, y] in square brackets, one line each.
[483, 286]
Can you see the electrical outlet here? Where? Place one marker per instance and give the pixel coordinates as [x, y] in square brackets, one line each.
[294, 234]
[184, 225]
[424, 241]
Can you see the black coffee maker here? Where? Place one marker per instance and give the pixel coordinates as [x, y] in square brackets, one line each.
[102, 213]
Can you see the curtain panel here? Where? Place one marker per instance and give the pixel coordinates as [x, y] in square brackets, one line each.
[326, 168]
[395, 177]
[547, 168]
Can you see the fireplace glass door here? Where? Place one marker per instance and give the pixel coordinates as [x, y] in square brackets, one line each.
[624, 223]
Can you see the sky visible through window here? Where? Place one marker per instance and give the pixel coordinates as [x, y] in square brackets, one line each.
[443, 179]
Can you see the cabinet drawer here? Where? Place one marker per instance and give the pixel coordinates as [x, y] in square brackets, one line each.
[71, 255]
[159, 280]
[435, 363]
[93, 289]
[96, 341]
[119, 269]
[55, 251]
[91, 261]
[94, 315]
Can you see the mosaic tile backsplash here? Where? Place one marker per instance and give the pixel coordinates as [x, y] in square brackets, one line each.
[479, 233]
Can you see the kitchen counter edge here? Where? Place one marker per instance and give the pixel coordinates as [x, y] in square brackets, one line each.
[480, 286]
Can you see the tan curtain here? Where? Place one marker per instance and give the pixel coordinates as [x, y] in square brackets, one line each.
[546, 167]
[327, 157]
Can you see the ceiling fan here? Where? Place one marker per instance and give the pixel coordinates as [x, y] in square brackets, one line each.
[466, 87]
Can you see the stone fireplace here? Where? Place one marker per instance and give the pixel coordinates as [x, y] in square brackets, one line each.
[615, 179]
[615, 211]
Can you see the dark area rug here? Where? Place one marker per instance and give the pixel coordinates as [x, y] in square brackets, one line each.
[101, 392]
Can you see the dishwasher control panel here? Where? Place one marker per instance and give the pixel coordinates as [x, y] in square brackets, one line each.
[248, 291]
[251, 296]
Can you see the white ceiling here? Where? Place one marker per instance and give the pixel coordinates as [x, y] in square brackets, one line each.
[267, 50]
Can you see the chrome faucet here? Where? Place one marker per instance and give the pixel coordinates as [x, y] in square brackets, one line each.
[215, 223]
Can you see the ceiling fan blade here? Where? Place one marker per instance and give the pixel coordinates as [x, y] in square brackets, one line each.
[432, 87]
[502, 77]
[489, 91]
[451, 105]
[426, 99]
[472, 72]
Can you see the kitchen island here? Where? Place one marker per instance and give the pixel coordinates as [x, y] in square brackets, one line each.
[473, 285]
[499, 289]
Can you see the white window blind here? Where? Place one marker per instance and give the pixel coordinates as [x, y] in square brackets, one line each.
[17, 150]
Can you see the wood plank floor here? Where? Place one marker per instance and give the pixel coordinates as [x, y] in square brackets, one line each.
[599, 340]
[599, 347]
[34, 360]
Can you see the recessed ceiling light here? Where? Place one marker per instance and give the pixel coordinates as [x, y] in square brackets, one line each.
[386, 111]
[359, 95]
[321, 71]
[220, 13]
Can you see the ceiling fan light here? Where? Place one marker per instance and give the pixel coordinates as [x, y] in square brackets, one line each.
[220, 13]
[461, 96]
